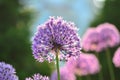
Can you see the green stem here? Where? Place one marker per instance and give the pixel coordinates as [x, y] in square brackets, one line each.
[100, 74]
[88, 77]
[79, 77]
[108, 55]
[57, 64]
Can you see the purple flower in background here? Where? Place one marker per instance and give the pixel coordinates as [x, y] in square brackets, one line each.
[91, 40]
[53, 35]
[38, 77]
[116, 58]
[65, 74]
[109, 35]
[7, 72]
[84, 65]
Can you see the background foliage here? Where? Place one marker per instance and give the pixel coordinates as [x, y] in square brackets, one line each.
[15, 45]
[111, 14]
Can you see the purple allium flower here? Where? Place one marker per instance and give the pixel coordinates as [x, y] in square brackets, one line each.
[91, 40]
[116, 58]
[84, 65]
[38, 77]
[7, 72]
[55, 34]
[109, 35]
[65, 74]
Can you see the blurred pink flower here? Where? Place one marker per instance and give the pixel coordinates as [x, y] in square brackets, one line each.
[84, 65]
[116, 58]
[64, 74]
[97, 39]
[91, 40]
[109, 35]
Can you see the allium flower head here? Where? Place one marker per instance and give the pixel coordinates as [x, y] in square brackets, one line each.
[116, 58]
[84, 65]
[7, 72]
[53, 35]
[37, 77]
[91, 40]
[64, 74]
[109, 35]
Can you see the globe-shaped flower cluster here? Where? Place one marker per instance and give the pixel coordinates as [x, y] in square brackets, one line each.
[65, 74]
[104, 36]
[53, 35]
[116, 58]
[7, 72]
[37, 77]
[85, 64]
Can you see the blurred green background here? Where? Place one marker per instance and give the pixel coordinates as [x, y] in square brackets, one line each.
[17, 25]
[15, 45]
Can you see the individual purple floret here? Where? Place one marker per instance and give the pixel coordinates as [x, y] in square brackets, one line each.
[91, 40]
[84, 65]
[7, 72]
[53, 35]
[116, 58]
[65, 74]
[109, 35]
[37, 77]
